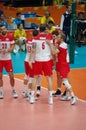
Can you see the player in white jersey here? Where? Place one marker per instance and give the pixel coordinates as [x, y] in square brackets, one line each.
[29, 73]
[62, 66]
[42, 61]
[6, 47]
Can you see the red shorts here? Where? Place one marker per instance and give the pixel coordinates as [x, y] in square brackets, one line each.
[28, 70]
[63, 69]
[43, 67]
[7, 64]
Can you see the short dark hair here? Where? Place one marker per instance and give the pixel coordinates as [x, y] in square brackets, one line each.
[50, 22]
[47, 12]
[18, 13]
[42, 27]
[35, 32]
[68, 5]
[55, 33]
[19, 25]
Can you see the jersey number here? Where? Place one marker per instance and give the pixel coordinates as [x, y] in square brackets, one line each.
[43, 46]
[29, 49]
[4, 46]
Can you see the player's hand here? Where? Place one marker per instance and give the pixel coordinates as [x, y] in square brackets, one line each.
[48, 42]
[4, 51]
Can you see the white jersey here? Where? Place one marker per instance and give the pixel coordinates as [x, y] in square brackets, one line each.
[5, 44]
[43, 51]
[28, 49]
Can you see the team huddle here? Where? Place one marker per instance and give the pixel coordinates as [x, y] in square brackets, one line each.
[44, 51]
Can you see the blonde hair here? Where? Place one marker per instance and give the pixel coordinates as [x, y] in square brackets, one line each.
[63, 36]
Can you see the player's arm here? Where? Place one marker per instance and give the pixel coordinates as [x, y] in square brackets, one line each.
[32, 55]
[11, 48]
[54, 50]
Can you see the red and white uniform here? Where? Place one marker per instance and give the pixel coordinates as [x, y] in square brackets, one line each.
[42, 55]
[29, 44]
[5, 43]
[54, 58]
[28, 70]
[43, 52]
[62, 65]
[5, 59]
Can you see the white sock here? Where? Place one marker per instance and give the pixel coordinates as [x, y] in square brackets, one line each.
[25, 88]
[29, 91]
[50, 93]
[72, 94]
[32, 93]
[1, 89]
[59, 88]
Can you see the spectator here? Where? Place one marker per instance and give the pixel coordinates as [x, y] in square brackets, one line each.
[46, 18]
[50, 26]
[18, 19]
[65, 2]
[66, 22]
[81, 28]
[20, 38]
[1, 12]
[48, 2]
[3, 20]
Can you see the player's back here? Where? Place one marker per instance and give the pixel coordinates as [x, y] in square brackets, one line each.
[42, 48]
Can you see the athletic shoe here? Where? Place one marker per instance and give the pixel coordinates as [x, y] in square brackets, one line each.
[38, 91]
[28, 98]
[73, 100]
[15, 95]
[65, 98]
[24, 94]
[1, 95]
[50, 100]
[64, 93]
[32, 99]
[57, 93]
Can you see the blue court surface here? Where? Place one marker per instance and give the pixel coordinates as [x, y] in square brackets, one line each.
[79, 60]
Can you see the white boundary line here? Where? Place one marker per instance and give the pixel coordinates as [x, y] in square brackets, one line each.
[81, 100]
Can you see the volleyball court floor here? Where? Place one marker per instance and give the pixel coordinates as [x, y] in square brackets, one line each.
[19, 114]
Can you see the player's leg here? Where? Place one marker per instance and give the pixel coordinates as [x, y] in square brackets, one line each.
[48, 73]
[9, 68]
[1, 87]
[38, 90]
[25, 86]
[32, 97]
[69, 89]
[49, 80]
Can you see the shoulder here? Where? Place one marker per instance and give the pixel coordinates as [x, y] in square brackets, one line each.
[29, 40]
[49, 36]
[10, 37]
[63, 45]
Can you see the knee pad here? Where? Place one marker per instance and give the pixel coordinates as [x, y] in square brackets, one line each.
[67, 84]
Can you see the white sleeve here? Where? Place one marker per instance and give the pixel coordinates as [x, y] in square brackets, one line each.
[61, 23]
